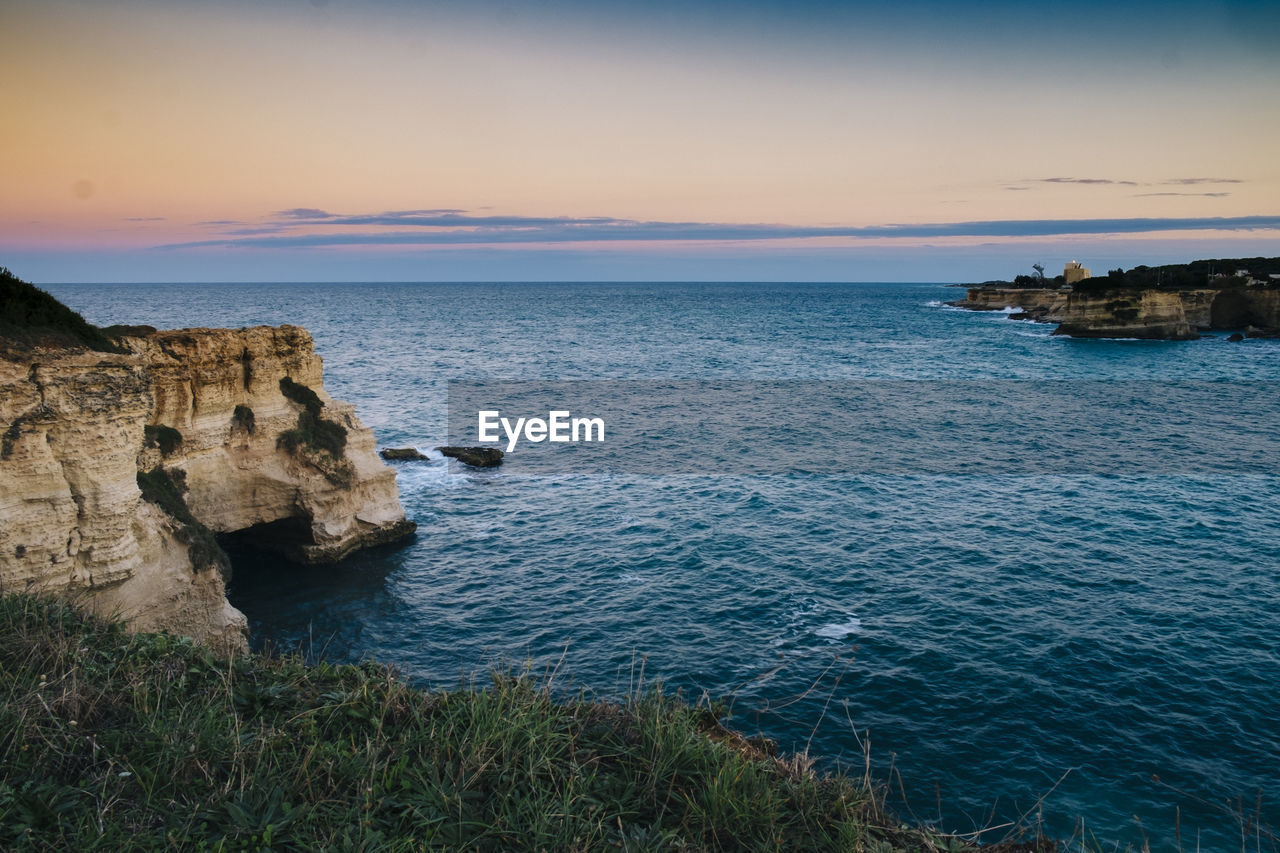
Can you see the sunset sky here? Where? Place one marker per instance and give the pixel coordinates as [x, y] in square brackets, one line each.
[218, 140]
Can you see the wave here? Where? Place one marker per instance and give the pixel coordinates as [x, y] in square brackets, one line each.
[840, 630]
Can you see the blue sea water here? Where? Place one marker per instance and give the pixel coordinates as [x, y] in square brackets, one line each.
[1091, 653]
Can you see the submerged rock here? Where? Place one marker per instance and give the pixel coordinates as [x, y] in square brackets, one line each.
[1255, 332]
[476, 457]
[1235, 338]
[399, 454]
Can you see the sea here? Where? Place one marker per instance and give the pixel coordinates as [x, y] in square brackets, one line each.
[1047, 618]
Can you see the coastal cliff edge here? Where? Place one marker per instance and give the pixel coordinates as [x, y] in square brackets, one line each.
[117, 469]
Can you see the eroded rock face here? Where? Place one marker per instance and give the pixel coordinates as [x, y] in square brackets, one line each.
[78, 427]
[1150, 314]
[1036, 303]
[1246, 306]
[221, 390]
[1129, 313]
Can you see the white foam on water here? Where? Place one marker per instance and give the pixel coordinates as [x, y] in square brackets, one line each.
[1074, 338]
[838, 631]
[418, 477]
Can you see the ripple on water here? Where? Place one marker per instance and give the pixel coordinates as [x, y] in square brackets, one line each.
[995, 635]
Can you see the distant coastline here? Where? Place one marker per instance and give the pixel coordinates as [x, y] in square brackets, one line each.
[1170, 302]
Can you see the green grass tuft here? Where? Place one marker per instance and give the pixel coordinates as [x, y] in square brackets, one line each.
[117, 742]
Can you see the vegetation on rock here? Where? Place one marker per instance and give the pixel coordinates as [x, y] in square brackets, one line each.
[320, 441]
[302, 395]
[10, 438]
[243, 417]
[165, 489]
[1215, 273]
[164, 437]
[31, 317]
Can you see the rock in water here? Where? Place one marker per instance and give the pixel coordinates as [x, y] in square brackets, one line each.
[476, 457]
[398, 454]
[1255, 332]
[1237, 337]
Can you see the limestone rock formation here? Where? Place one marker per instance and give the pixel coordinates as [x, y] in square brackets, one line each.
[1151, 314]
[1131, 312]
[1032, 303]
[204, 410]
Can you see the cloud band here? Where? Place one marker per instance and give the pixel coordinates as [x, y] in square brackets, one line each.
[297, 229]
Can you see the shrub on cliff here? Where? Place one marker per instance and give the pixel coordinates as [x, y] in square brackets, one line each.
[165, 490]
[164, 437]
[243, 418]
[302, 395]
[148, 742]
[317, 434]
[29, 316]
[321, 442]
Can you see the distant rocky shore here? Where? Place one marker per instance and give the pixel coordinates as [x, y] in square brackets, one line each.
[1146, 303]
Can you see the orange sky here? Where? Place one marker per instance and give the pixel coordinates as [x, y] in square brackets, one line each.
[132, 123]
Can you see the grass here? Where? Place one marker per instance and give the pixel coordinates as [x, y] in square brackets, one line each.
[112, 741]
[31, 317]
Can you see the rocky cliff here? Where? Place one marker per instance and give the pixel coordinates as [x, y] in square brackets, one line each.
[1152, 314]
[1037, 303]
[1134, 313]
[115, 470]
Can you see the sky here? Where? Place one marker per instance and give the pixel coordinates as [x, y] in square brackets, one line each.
[390, 140]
